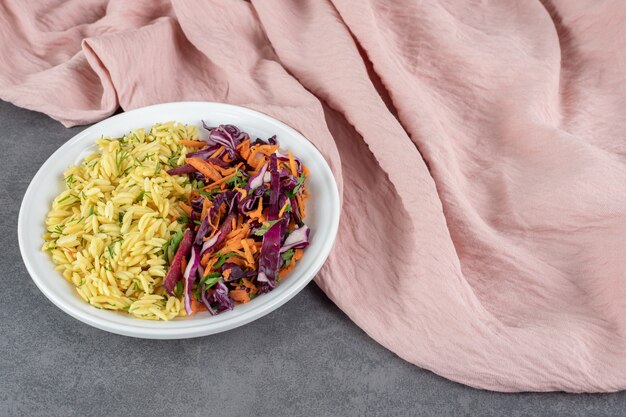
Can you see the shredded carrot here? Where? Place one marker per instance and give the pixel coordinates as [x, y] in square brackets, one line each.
[244, 149]
[217, 152]
[235, 245]
[193, 143]
[282, 210]
[267, 149]
[209, 266]
[205, 168]
[241, 191]
[239, 261]
[246, 251]
[283, 272]
[196, 306]
[185, 207]
[240, 296]
[206, 205]
[255, 158]
[292, 165]
[220, 181]
[258, 212]
[300, 205]
[249, 285]
[239, 241]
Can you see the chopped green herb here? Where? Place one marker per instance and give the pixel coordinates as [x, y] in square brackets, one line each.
[266, 226]
[120, 157]
[209, 194]
[179, 288]
[197, 292]
[210, 279]
[222, 259]
[142, 195]
[183, 219]
[198, 222]
[120, 217]
[91, 210]
[238, 180]
[111, 250]
[253, 296]
[173, 161]
[170, 247]
[69, 181]
[292, 193]
[157, 169]
[287, 256]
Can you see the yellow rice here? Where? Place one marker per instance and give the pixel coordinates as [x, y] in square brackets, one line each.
[107, 230]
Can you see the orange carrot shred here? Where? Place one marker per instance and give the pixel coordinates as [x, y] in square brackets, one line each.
[259, 210]
[240, 296]
[221, 181]
[217, 152]
[244, 149]
[246, 251]
[283, 208]
[196, 306]
[193, 143]
[205, 168]
[292, 165]
[206, 205]
[249, 285]
[300, 205]
[185, 207]
[283, 272]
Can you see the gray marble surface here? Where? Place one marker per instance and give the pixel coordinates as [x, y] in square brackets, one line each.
[305, 359]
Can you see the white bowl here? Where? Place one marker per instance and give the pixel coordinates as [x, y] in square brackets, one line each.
[322, 217]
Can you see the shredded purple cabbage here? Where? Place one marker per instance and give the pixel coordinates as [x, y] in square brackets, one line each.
[274, 186]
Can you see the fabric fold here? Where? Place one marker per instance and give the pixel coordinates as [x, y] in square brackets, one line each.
[478, 149]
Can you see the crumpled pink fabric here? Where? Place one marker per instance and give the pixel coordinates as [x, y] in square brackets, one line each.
[480, 148]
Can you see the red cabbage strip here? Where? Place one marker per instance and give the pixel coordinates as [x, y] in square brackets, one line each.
[202, 231]
[270, 248]
[298, 239]
[174, 274]
[219, 236]
[257, 179]
[190, 277]
[183, 169]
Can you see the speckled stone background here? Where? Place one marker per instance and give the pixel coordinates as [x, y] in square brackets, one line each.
[305, 359]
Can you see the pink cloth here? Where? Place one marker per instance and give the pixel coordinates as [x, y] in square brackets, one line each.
[480, 148]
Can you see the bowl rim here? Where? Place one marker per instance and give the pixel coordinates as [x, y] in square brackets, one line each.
[185, 328]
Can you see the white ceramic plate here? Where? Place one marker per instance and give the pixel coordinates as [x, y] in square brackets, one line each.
[322, 217]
